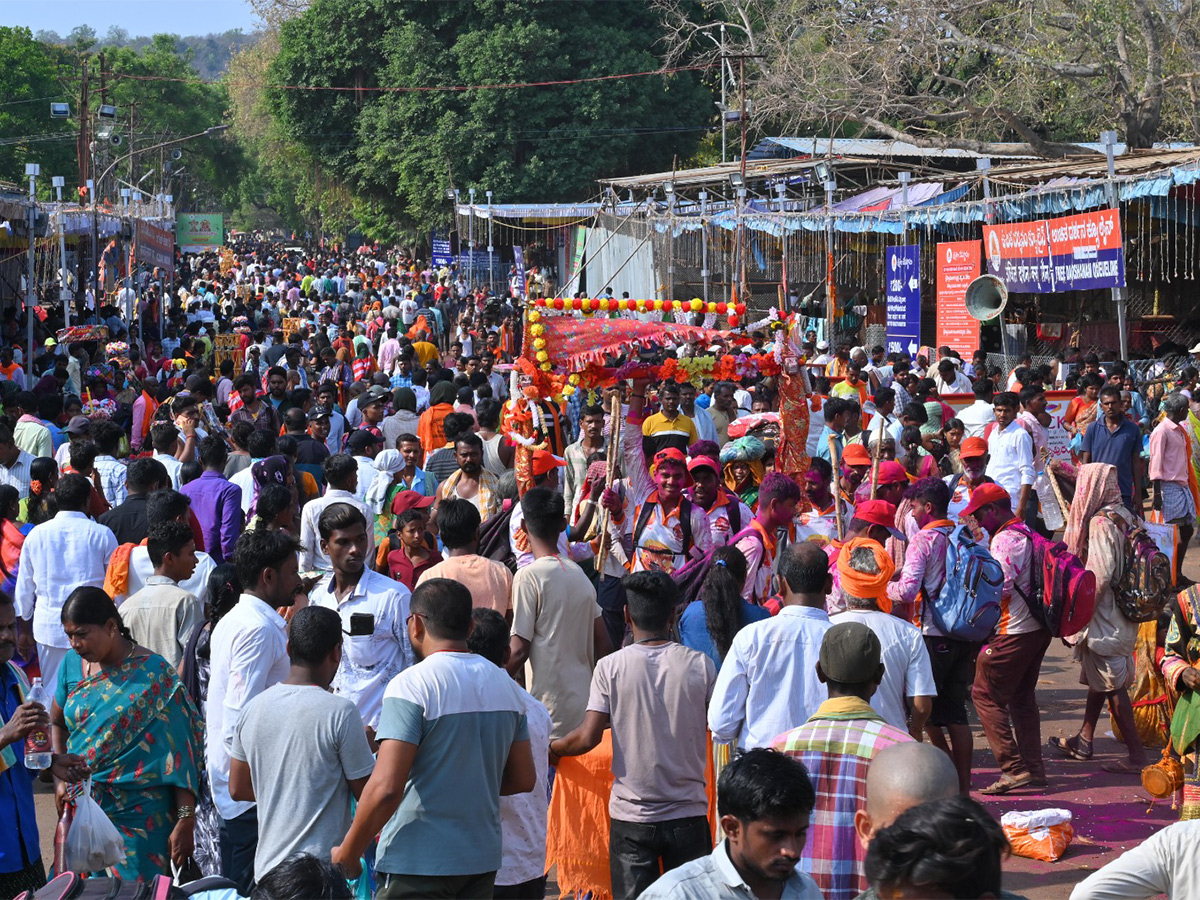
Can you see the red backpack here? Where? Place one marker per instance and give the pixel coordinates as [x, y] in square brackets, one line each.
[1062, 591]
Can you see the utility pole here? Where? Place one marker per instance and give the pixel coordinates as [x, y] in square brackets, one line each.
[1109, 139]
[82, 150]
[64, 295]
[723, 92]
[742, 285]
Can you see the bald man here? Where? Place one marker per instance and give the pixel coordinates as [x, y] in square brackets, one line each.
[900, 777]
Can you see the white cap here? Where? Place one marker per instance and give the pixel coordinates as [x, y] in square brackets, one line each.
[822, 345]
[1195, 349]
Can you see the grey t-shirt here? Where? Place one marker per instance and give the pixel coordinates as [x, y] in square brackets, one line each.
[303, 746]
[657, 700]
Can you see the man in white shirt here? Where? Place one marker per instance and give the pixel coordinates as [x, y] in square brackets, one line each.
[949, 379]
[408, 311]
[978, 415]
[1010, 453]
[371, 657]
[768, 682]
[341, 474]
[907, 673]
[67, 552]
[765, 800]
[1167, 862]
[164, 438]
[523, 817]
[14, 463]
[249, 655]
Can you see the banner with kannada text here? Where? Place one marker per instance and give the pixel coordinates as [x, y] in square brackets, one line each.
[1072, 253]
[957, 266]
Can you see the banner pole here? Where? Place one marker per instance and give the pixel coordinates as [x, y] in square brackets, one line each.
[1109, 139]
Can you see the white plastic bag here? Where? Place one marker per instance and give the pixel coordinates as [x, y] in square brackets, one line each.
[93, 842]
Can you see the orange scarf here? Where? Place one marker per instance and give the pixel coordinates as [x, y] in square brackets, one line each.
[116, 580]
[148, 414]
[578, 825]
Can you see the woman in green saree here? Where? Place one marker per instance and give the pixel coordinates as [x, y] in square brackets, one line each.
[123, 709]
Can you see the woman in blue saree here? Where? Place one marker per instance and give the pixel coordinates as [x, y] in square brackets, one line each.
[123, 709]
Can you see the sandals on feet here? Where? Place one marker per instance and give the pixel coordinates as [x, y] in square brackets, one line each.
[1005, 784]
[1073, 747]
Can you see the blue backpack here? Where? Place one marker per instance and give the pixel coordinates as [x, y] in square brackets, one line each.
[968, 606]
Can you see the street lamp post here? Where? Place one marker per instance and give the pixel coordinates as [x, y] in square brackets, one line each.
[32, 170]
[64, 296]
[471, 242]
[1109, 139]
[99, 182]
[704, 273]
[491, 286]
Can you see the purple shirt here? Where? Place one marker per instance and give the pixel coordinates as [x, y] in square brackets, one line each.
[217, 503]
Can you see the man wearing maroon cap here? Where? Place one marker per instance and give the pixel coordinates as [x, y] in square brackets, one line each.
[1007, 668]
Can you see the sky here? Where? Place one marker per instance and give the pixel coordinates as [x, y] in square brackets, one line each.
[138, 17]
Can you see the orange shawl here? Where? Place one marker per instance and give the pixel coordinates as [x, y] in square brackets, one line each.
[116, 580]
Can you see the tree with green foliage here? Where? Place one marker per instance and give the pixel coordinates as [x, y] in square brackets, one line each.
[28, 84]
[398, 151]
[159, 89]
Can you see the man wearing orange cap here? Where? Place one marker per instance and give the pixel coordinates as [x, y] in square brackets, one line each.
[856, 466]
[1006, 671]
[905, 695]
[974, 455]
[545, 474]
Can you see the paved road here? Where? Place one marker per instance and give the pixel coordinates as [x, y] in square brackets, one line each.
[1111, 812]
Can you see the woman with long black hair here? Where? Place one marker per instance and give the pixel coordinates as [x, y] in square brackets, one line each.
[709, 623]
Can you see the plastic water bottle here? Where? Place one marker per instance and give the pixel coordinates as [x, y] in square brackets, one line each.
[38, 751]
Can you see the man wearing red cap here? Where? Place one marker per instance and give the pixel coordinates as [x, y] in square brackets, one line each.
[727, 514]
[664, 528]
[1006, 671]
[874, 519]
[856, 466]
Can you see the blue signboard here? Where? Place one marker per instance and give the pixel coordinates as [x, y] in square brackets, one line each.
[441, 249]
[903, 299]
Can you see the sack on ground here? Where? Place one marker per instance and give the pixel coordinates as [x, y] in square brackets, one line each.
[93, 843]
[1041, 834]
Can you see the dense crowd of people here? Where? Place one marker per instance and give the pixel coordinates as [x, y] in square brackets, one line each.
[305, 613]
